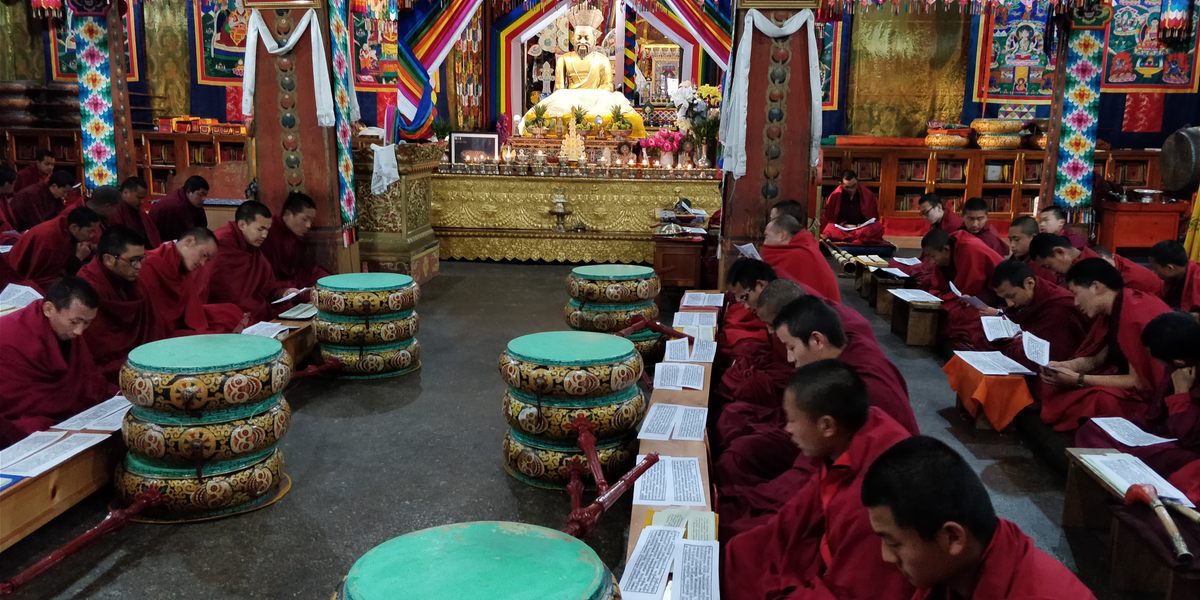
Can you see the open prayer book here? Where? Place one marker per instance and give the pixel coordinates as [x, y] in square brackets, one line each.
[992, 363]
[853, 227]
[749, 251]
[299, 312]
[971, 300]
[999, 328]
[15, 297]
[1120, 470]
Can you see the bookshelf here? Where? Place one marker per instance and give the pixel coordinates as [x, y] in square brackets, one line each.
[1008, 180]
[21, 146]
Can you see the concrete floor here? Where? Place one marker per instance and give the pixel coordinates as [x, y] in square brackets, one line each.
[373, 460]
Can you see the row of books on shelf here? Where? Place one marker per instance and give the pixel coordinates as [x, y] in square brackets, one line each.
[62, 153]
[1130, 173]
[952, 171]
[912, 170]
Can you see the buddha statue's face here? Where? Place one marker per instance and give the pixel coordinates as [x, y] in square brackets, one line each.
[585, 39]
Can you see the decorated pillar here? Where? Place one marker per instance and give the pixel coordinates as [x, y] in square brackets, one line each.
[106, 128]
[781, 129]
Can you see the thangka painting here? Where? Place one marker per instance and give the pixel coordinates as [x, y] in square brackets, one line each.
[63, 61]
[1138, 59]
[831, 64]
[374, 50]
[220, 40]
[1015, 55]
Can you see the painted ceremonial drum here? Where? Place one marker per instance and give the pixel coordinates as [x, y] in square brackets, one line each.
[205, 372]
[550, 417]
[349, 330]
[607, 317]
[497, 560]
[366, 293]
[223, 434]
[570, 363]
[222, 488]
[370, 362]
[612, 283]
[546, 464]
[649, 344]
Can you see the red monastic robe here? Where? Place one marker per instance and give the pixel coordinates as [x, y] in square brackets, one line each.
[243, 276]
[991, 239]
[173, 215]
[1065, 408]
[1052, 316]
[138, 221]
[1134, 275]
[45, 253]
[32, 205]
[820, 544]
[870, 235]
[285, 251]
[801, 261]
[1012, 567]
[5, 211]
[950, 222]
[125, 319]
[28, 177]
[738, 325]
[1038, 269]
[9, 275]
[971, 271]
[179, 299]
[1184, 294]
[922, 274]
[46, 380]
[1076, 240]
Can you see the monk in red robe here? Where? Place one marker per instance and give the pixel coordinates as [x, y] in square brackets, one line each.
[284, 246]
[36, 173]
[1020, 234]
[40, 202]
[936, 524]
[125, 319]
[242, 275]
[9, 275]
[854, 208]
[1112, 374]
[975, 221]
[744, 280]
[104, 201]
[963, 260]
[130, 214]
[794, 254]
[1174, 410]
[1053, 220]
[1181, 277]
[56, 248]
[182, 210]
[935, 212]
[175, 278]
[49, 374]
[1057, 254]
[819, 544]
[8, 178]
[1039, 307]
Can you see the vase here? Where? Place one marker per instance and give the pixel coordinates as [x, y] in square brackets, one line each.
[666, 159]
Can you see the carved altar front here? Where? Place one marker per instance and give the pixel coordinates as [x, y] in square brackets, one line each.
[482, 217]
[394, 227]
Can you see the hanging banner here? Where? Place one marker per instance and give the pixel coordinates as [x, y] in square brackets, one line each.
[220, 41]
[831, 64]
[1014, 61]
[64, 59]
[374, 50]
[1139, 59]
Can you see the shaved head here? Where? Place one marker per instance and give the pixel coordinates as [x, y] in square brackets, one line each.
[776, 295]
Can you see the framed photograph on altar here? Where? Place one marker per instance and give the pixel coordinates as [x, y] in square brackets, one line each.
[282, 3]
[474, 147]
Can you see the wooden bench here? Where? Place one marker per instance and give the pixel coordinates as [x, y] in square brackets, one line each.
[915, 322]
[881, 300]
[1131, 566]
[300, 339]
[32, 502]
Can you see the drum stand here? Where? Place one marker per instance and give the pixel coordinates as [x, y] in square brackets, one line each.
[583, 519]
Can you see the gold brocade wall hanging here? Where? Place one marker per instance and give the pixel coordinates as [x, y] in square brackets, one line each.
[469, 78]
[167, 69]
[21, 45]
[904, 70]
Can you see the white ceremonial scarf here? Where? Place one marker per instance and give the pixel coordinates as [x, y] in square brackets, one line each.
[733, 109]
[321, 90]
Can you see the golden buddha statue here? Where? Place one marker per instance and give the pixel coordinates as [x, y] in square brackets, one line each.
[584, 77]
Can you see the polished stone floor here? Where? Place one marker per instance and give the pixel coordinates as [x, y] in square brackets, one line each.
[373, 460]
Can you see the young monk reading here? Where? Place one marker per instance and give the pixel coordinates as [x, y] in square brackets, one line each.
[36, 173]
[937, 526]
[182, 209]
[56, 248]
[175, 278]
[975, 221]
[1056, 253]
[851, 205]
[1020, 234]
[1053, 220]
[125, 319]
[284, 246]
[935, 212]
[744, 280]
[130, 214]
[1112, 373]
[819, 544]
[49, 374]
[961, 259]
[1181, 277]
[241, 274]
[40, 202]
[1040, 307]
[791, 208]
[7, 178]
[794, 254]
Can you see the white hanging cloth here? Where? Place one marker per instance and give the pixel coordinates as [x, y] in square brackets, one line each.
[321, 90]
[733, 109]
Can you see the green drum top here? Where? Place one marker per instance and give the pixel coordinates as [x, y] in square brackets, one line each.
[364, 282]
[204, 353]
[573, 348]
[493, 559]
[613, 272]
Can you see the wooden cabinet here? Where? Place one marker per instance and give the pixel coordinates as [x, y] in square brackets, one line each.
[1136, 225]
[21, 147]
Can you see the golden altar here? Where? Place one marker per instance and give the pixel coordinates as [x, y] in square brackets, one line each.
[508, 217]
